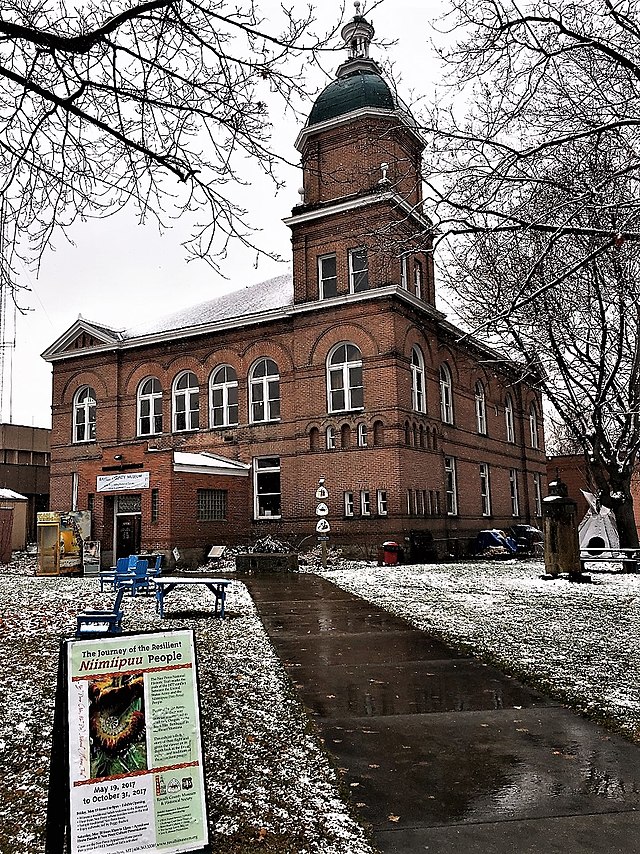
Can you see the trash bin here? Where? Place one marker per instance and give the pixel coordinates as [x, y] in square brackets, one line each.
[391, 553]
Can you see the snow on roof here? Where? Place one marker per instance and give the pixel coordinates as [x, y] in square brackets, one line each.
[255, 299]
[10, 495]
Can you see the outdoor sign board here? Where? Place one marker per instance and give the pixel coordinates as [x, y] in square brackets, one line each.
[91, 556]
[322, 526]
[322, 493]
[322, 509]
[122, 481]
[135, 762]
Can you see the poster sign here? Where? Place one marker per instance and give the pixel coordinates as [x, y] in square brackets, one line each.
[75, 528]
[136, 779]
[122, 481]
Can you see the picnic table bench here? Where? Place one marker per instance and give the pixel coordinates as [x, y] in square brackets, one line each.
[102, 622]
[603, 554]
[166, 583]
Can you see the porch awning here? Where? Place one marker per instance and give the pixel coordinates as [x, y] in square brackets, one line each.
[206, 463]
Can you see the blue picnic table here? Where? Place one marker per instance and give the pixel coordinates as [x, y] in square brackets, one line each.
[166, 583]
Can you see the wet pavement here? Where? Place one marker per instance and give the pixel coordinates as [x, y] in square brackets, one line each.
[439, 752]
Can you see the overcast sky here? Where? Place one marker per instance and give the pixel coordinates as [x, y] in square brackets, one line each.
[121, 273]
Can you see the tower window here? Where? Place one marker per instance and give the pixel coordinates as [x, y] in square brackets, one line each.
[327, 277]
[358, 271]
[84, 415]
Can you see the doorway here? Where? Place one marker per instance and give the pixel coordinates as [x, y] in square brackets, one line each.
[128, 525]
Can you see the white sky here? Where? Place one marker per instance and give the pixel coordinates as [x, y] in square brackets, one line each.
[121, 273]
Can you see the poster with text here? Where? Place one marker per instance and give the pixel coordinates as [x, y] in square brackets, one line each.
[135, 760]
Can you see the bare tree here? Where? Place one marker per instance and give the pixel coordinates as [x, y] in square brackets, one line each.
[157, 103]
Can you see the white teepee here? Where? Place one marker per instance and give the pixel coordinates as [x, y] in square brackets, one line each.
[598, 528]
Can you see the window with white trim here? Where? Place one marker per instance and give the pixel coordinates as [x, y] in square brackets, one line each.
[365, 502]
[327, 276]
[485, 489]
[418, 401]
[331, 438]
[264, 391]
[537, 493]
[75, 483]
[186, 402]
[508, 419]
[446, 395]
[266, 488]
[358, 270]
[451, 486]
[348, 504]
[84, 415]
[513, 490]
[155, 505]
[362, 435]
[381, 499]
[404, 272]
[533, 426]
[417, 278]
[481, 409]
[212, 505]
[344, 378]
[149, 407]
[223, 397]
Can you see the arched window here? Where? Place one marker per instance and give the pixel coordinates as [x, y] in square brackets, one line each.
[417, 380]
[414, 431]
[344, 378]
[434, 439]
[331, 438]
[186, 402]
[264, 385]
[314, 439]
[378, 433]
[84, 415]
[421, 436]
[362, 435]
[508, 419]
[533, 426]
[481, 409]
[149, 407]
[407, 433]
[345, 436]
[223, 397]
[446, 395]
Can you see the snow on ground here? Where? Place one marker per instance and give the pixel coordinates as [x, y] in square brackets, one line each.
[577, 642]
[268, 780]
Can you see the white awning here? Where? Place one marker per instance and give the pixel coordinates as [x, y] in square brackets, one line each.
[205, 463]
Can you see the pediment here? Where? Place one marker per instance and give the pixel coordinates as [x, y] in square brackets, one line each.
[83, 335]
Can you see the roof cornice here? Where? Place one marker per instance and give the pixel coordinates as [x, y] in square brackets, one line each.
[404, 119]
[360, 202]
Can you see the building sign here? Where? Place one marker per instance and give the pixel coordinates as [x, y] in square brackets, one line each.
[123, 480]
[136, 781]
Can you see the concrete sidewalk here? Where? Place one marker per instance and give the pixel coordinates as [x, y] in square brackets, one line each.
[442, 753]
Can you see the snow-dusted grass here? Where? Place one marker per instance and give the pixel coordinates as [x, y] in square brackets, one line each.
[578, 642]
[269, 783]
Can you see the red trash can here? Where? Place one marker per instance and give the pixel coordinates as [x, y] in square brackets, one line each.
[390, 553]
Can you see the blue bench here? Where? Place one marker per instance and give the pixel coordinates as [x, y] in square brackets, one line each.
[102, 622]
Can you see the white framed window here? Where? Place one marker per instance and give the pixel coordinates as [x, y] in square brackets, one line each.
[533, 426]
[418, 401]
[327, 276]
[451, 486]
[419, 502]
[186, 402]
[537, 493]
[344, 378]
[481, 409]
[348, 504]
[485, 489]
[446, 395]
[410, 502]
[508, 419]
[404, 272]
[266, 488]
[365, 502]
[513, 490]
[331, 438]
[362, 435]
[417, 278]
[436, 502]
[84, 415]
[358, 270]
[149, 407]
[75, 480]
[264, 392]
[223, 397]
[428, 504]
[381, 500]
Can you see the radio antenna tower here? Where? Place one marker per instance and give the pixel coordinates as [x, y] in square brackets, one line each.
[6, 301]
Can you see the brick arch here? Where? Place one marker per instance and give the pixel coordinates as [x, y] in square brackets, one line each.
[224, 356]
[352, 333]
[416, 337]
[149, 369]
[80, 379]
[447, 355]
[179, 365]
[266, 349]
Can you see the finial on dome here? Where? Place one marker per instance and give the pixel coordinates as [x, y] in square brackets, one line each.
[357, 5]
[357, 35]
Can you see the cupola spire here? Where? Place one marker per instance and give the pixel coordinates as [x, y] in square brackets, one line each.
[357, 35]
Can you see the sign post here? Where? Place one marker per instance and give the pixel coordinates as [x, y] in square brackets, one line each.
[322, 526]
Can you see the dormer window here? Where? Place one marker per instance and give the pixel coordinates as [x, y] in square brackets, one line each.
[358, 271]
[327, 277]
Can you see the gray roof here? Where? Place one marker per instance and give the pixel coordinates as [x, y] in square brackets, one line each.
[266, 296]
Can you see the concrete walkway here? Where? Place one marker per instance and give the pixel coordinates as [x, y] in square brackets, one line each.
[442, 753]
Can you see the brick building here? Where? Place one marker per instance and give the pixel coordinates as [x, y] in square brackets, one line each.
[215, 424]
[24, 467]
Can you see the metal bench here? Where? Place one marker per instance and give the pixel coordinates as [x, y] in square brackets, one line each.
[102, 622]
[603, 554]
